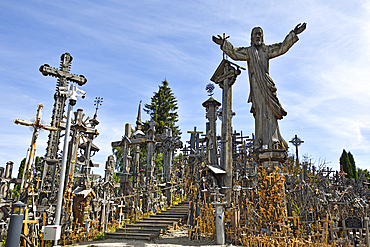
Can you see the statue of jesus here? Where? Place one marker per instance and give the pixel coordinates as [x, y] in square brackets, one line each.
[266, 107]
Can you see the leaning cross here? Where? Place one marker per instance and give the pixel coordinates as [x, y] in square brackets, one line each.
[31, 154]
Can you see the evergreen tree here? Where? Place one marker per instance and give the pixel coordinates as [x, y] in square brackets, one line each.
[352, 166]
[163, 109]
[345, 163]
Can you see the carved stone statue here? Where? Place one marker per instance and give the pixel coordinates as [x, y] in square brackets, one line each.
[266, 107]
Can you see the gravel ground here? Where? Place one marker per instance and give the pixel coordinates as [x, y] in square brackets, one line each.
[170, 239]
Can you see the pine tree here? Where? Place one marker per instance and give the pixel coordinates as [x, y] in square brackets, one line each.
[352, 166]
[163, 109]
[345, 163]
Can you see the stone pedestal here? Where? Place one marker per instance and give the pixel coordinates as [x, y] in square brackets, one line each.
[269, 158]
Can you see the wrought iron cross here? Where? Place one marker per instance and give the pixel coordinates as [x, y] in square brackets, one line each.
[296, 142]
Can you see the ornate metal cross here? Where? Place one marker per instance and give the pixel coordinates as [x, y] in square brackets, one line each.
[63, 76]
[296, 142]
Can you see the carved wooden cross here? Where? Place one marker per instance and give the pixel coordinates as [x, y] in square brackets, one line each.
[31, 154]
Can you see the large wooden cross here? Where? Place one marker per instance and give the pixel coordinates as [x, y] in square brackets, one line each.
[31, 153]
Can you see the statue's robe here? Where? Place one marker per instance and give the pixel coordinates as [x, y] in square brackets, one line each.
[266, 107]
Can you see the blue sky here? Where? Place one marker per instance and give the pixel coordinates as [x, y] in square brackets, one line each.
[126, 48]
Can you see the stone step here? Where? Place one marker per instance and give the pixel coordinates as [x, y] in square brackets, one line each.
[160, 226]
[153, 221]
[154, 225]
[123, 235]
[164, 220]
[168, 216]
[141, 230]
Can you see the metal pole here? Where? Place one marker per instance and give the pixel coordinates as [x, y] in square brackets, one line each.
[63, 166]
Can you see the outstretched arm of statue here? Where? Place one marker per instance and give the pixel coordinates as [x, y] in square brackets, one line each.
[238, 54]
[300, 28]
[219, 40]
[279, 49]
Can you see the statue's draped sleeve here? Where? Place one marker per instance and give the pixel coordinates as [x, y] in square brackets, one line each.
[278, 49]
[237, 54]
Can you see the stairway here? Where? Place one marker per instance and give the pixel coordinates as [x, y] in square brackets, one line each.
[151, 227]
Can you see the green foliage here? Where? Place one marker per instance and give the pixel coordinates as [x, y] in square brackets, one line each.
[163, 109]
[100, 236]
[158, 160]
[367, 173]
[344, 162]
[3, 242]
[115, 177]
[353, 165]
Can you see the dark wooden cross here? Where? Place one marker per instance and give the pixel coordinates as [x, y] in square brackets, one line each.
[194, 139]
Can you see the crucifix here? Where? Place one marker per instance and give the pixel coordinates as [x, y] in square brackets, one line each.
[296, 141]
[29, 166]
[63, 76]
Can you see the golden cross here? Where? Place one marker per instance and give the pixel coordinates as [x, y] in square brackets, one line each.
[327, 222]
[38, 181]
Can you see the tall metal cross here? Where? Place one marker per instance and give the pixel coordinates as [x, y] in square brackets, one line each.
[29, 166]
[296, 142]
[63, 76]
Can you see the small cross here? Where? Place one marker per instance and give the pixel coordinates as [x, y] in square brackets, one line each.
[342, 173]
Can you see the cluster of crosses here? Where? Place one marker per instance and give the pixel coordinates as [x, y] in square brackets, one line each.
[249, 196]
[90, 203]
[239, 189]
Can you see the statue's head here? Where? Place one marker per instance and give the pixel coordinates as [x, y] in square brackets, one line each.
[257, 37]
